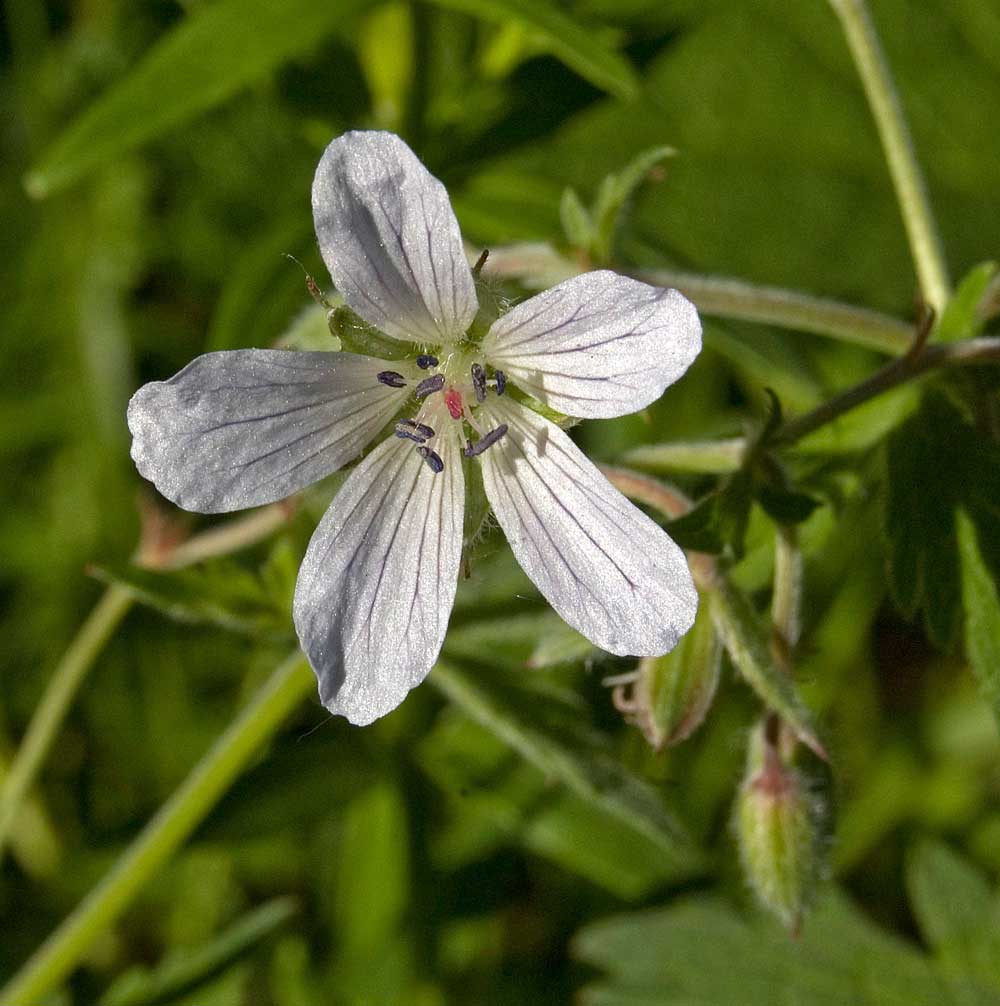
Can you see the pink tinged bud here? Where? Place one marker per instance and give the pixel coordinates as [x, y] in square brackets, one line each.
[778, 829]
[672, 694]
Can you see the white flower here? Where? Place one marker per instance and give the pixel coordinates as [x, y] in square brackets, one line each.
[377, 584]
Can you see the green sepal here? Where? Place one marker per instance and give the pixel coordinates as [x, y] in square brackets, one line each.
[357, 336]
[674, 692]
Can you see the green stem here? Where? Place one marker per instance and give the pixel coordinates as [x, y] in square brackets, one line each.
[174, 822]
[539, 266]
[911, 190]
[710, 457]
[771, 305]
[971, 352]
[94, 635]
[48, 717]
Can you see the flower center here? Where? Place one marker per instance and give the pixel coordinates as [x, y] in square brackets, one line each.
[463, 384]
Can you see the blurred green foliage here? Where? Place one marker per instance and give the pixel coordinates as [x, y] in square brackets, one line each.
[156, 164]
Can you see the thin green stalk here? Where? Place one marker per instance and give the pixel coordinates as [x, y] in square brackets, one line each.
[171, 826]
[984, 351]
[538, 266]
[92, 638]
[70, 672]
[710, 457]
[771, 305]
[907, 178]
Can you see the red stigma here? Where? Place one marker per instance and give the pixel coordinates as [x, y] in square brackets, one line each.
[453, 399]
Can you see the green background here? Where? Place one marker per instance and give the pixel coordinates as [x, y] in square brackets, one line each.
[156, 164]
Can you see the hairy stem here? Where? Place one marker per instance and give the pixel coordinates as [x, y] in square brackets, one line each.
[907, 178]
[179, 816]
[771, 305]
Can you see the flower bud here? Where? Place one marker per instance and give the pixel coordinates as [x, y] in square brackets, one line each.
[672, 694]
[778, 829]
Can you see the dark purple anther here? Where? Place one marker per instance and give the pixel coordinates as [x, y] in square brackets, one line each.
[392, 379]
[429, 385]
[501, 381]
[479, 382]
[425, 360]
[433, 459]
[407, 435]
[472, 450]
[425, 431]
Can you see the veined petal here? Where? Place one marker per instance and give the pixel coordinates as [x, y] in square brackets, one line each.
[241, 428]
[596, 345]
[603, 565]
[377, 584]
[390, 239]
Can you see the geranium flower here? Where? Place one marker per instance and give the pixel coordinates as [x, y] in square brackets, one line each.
[376, 587]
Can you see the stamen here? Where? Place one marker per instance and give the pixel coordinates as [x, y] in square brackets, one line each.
[425, 360]
[407, 435]
[392, 379]
[472, 450]
[501, 379]
[432, 458]
[479, 382]
[429, 385]
[424, 431]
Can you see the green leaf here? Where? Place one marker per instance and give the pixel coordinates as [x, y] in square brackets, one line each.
[746, 643]
[701, 951]
[717, 523]
[496, 798]
[211, 55]
[186, 970]
[958, 913]
[549, 734]
[558, 643]
[373, 879]
[568, 40]
[961, 318]
[220, 593]
[982, 613]
[936, 463]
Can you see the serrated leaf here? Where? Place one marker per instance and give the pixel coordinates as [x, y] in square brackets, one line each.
[961, 318]
[746, 643]
[187, 970]
[982, 613]
[701, 951]
[550, 736]
[936, 463]
[568, 40]
[207, 58]
[958, 912]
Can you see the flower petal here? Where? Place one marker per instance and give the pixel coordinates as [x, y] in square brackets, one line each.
[251, 426]
[378, 580]
[603, 565]
[390, 239]
[597, 345]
